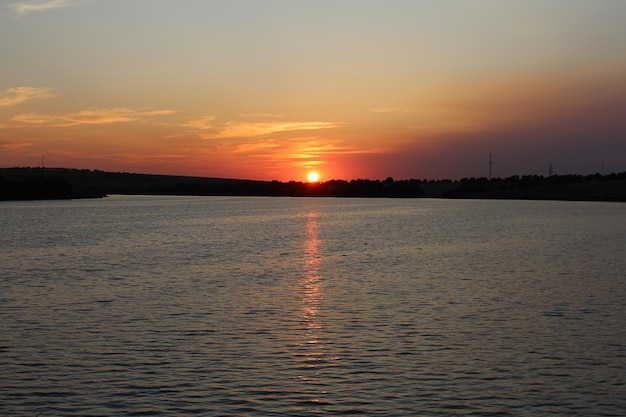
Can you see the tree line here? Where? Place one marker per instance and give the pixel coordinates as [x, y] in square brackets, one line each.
[41, 183]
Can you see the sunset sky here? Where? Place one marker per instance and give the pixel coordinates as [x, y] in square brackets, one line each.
[272, 89]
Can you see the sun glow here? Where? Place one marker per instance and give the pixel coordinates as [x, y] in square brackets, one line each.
[313, 176]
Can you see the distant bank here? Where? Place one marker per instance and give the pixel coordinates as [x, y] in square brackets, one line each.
[63, 183]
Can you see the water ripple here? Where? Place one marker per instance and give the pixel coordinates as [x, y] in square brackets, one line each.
[253, 307]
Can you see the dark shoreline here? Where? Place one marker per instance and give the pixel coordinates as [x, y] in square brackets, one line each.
[64, 183]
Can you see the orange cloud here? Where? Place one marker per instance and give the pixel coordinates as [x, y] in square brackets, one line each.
[247, 129]
[15, 146]
[257, 147]
[90, 117]
[32, 119]
[17, 95]
[24, 8]
[201, 123]
[286, 158]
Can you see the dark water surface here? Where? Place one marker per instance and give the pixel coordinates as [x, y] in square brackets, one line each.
[180, 306]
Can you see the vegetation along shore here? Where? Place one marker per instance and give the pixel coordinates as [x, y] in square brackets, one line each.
[64, 183]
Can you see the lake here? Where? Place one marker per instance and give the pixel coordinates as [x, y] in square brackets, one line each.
[219, 306]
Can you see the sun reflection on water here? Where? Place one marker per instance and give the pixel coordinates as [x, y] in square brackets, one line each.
[310, 351]
[311, 290]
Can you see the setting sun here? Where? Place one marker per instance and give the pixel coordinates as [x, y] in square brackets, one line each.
[313, 176]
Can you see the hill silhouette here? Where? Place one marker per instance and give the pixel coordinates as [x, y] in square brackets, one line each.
[64, 183]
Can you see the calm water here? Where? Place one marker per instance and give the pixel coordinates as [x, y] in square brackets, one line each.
[177, 306]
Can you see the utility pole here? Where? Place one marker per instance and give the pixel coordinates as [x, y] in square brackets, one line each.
[550, 170]
[490, 164]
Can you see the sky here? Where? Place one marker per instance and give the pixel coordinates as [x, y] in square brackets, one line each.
[353, 89]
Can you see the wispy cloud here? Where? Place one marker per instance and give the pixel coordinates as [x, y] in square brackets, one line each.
[262, 129]
[261, 115]
[91, 117]
[201, 123]
[247, 129]
[23, 8]
[306, 151]
[14, 146]
[17, 95]
[256, 147]
[319, 148]
[391, 110]
[249, 126]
